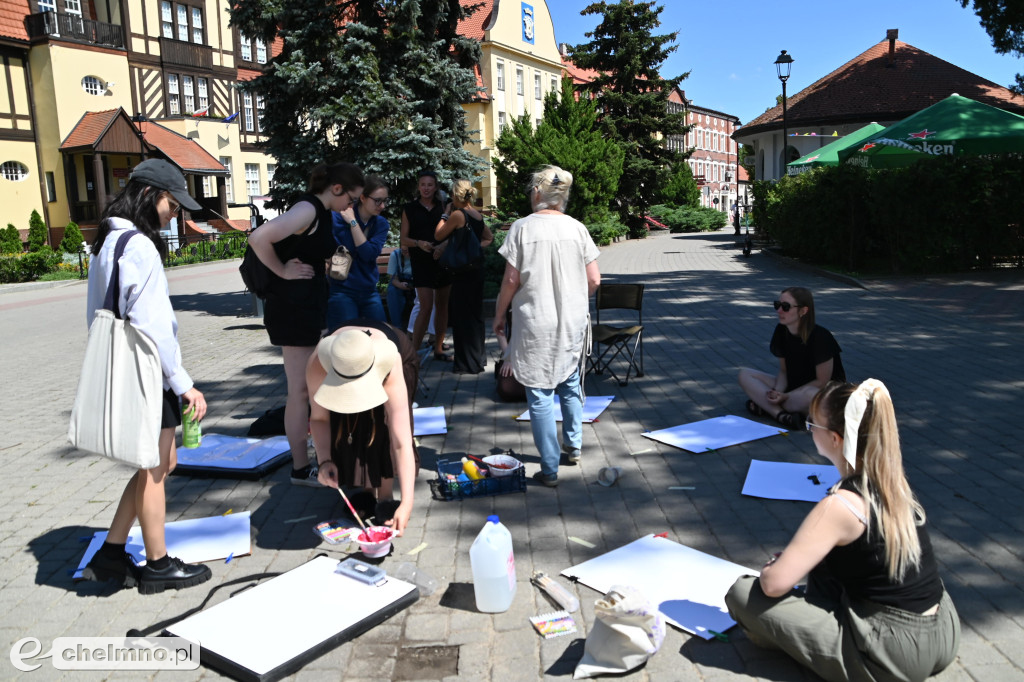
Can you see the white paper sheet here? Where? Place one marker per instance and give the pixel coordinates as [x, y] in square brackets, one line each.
[428, 421]
[191, 540]
[714, 434]
[789, 481]
[593, 406]
[232, 452]
[688, 586]
[271, 624]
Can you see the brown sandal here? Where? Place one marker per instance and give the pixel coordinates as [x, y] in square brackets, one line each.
[755, 409]
[795, 421]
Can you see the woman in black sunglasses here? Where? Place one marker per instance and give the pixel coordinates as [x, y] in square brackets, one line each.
[808, 359]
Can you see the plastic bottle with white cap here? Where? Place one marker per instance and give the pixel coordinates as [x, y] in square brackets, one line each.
[494, 567]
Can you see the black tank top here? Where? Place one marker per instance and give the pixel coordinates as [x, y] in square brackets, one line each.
[861, 568]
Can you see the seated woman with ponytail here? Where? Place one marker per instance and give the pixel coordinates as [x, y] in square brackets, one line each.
[874, 607]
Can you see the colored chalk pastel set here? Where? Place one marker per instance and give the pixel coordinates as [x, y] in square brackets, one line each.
[336, 533]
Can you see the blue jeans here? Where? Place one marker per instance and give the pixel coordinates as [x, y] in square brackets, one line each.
[396, 306]
[543, 424]
[348, 304]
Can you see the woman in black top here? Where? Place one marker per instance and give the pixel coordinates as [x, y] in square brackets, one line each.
[432, 282]
[808, 358]
[362, 379]
[874, 607]
[466, 305]
[295, 246]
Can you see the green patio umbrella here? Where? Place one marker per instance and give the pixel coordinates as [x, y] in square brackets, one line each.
[956, 126]
[829, 154]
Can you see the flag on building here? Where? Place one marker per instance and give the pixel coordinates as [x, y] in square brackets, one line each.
[232, 117]
[205, 111]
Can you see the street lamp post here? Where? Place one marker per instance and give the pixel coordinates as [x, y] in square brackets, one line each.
[782, 67]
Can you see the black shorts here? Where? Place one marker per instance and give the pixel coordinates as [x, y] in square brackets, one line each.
[171, 417]
[290, 323]
[427, 273]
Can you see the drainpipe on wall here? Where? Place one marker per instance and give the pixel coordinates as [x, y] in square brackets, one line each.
[34, 122]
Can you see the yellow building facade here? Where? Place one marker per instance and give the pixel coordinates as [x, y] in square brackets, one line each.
[92, 88]
[520, 65]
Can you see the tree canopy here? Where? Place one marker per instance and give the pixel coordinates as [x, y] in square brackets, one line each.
[633, 97]
[1004, 22]
[569, 137]
[379, 84]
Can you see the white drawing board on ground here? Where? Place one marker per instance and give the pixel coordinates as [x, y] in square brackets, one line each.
[428, 421]
[713, 434]
[593, 406]
[686, 585]
[191, 540]
[275, 628]
[234, 456]
[789, 481]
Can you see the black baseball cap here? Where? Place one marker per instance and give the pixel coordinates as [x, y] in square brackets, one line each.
[162, 175]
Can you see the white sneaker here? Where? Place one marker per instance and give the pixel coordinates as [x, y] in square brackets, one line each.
[572, 454]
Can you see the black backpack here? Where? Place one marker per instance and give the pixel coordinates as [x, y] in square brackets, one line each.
[255, 274]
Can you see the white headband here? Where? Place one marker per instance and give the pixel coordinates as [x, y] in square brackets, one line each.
[854, 412]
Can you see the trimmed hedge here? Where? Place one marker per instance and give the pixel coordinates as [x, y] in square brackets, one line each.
[689, 219]
[935, 216]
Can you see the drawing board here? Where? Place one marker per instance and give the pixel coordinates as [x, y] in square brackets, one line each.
[271, 630]
[789, 481]
[428, 421]
[593, 406]
[688, 586]
[713, 434]
[191, 540]
[233, 457]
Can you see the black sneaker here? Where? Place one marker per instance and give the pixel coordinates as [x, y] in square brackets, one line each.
[306, 476]
[103, 568]
[175, 576]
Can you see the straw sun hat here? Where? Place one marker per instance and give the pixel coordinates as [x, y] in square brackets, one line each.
[356, 365]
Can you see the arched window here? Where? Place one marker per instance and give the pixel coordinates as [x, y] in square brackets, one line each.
[93, 85]
[15, 171]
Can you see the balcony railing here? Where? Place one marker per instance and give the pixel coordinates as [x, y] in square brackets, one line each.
[74, 27]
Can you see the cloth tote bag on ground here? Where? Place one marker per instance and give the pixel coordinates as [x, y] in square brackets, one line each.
[118, 406]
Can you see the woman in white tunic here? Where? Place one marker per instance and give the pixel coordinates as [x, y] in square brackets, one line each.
[550, 273]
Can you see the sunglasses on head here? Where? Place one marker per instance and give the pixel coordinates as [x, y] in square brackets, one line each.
[785, 305]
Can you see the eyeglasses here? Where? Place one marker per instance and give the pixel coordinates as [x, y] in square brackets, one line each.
[381, 202]
[173, 203]
[785, 305]
[351, 199]
[808, 424]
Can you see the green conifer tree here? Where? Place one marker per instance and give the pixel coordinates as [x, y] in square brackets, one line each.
[36, 231]
[384, 91]
[569, 137]
[681, 188]
[633, 97]
[10, 240]
[72, 241]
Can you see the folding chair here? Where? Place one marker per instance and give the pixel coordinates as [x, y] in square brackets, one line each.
[626, 341]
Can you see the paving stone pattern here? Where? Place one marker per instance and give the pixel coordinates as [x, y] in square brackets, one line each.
[947, 347]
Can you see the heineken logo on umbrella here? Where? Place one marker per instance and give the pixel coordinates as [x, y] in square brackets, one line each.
[923, 135]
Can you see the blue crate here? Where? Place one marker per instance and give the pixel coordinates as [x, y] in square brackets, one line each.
[444, 489]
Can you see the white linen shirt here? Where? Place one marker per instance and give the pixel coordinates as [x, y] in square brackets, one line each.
[145, 299]
[551, 308]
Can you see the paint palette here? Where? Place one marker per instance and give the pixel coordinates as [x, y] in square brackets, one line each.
[335, 533]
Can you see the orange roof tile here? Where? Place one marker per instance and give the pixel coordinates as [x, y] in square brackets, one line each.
[742, 175]
[89, 129]
[867, 88]
[186, 154]
[578, 75]
[12, 19]
[473, 27]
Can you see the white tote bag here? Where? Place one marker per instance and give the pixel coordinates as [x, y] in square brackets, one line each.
[119, 403]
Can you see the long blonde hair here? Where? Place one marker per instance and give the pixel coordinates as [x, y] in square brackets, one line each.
[878, 472]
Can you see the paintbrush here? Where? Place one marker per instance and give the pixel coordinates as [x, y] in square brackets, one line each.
[352, 509]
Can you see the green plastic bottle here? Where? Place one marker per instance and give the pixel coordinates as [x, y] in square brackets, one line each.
[191, 431]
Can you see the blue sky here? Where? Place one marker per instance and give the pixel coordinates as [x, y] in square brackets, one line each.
[730, 48]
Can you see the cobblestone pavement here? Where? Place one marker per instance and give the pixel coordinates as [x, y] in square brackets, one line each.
[948, 348]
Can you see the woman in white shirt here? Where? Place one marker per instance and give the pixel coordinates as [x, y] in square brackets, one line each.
[550, 273]
[155, 192]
